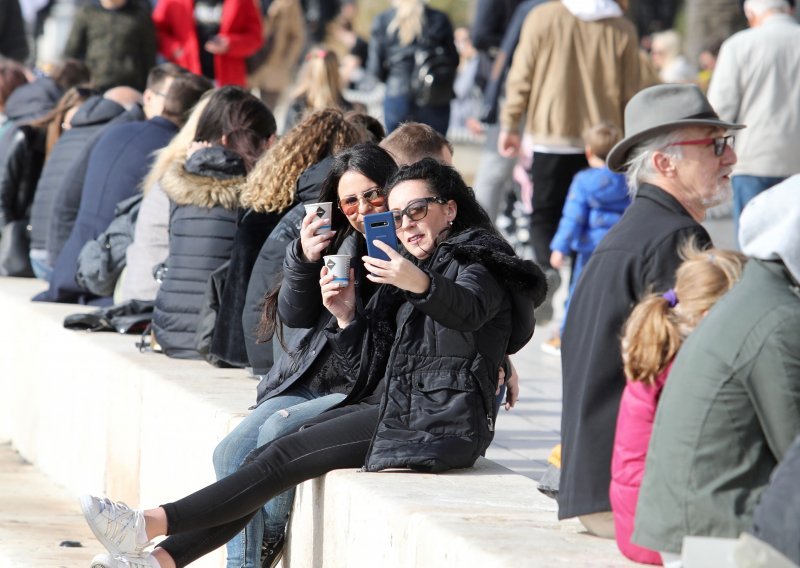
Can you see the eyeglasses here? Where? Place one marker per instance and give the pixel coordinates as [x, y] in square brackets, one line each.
[719, 143]
[415, 211]
[374, 196]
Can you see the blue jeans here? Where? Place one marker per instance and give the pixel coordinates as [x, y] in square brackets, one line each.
[403, 109]
[271, 419]
[41, 267]
[746, 188]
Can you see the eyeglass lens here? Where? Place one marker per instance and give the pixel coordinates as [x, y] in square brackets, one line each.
[415, 211]
[372, 196]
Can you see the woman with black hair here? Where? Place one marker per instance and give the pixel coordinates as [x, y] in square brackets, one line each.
[306, 380]
[425, 354]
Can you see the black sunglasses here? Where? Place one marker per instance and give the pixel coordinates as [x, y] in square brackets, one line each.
[374, 196]
[415, 211]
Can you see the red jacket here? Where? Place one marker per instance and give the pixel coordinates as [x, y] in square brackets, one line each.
[177, 39]
[637, 410]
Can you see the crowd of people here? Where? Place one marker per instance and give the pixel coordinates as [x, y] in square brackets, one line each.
[171, 189]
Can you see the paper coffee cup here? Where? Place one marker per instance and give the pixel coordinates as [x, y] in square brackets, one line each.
[339, 266]
[322, 211]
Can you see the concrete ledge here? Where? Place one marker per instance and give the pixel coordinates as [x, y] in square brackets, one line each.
[95, 415]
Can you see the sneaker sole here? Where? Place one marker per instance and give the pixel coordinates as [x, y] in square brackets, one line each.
[86, 507]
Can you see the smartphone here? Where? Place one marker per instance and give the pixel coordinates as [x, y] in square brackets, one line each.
[379, 227]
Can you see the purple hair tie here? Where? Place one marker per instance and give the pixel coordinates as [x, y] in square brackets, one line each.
[671, 297]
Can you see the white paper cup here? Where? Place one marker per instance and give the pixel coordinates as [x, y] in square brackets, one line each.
[322, 211]
[339, 266]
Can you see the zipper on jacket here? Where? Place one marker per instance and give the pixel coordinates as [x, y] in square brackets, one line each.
[490, 422]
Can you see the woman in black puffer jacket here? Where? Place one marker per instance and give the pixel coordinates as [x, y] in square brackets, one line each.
[233, 131]
[436, 332]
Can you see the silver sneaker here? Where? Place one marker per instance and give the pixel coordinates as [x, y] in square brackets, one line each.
[108, 561]
[115, 525]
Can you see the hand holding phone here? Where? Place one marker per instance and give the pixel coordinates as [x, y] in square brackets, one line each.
[380, 227]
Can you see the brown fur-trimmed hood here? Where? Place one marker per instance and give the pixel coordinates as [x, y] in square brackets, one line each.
[211, 177]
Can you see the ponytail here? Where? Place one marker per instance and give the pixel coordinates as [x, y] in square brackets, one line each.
[650, 339]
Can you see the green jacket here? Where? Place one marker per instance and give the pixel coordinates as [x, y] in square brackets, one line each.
[729, 411]
[118, 46]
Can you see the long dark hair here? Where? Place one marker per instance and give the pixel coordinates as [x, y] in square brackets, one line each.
[445, 182]
[244, 121]
[368, 159]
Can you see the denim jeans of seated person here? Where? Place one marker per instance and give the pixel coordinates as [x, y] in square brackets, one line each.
[268, 421]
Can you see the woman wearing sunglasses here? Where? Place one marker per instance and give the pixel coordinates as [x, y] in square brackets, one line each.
[425, 353]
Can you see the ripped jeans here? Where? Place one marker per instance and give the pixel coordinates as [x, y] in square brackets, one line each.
[270, 420]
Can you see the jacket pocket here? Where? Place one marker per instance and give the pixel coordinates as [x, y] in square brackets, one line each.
[449, 404]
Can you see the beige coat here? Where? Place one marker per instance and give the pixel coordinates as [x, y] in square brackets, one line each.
[569, 74]
[284, 32]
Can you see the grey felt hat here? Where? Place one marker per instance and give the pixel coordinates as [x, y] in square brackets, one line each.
[656, 110]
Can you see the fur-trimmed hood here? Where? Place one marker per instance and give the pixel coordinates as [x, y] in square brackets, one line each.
[496, 254]
[211, 177]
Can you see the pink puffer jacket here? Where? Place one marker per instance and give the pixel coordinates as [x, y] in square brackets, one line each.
[637, 409]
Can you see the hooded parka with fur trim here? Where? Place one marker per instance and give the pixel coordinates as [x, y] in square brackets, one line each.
[204, 198]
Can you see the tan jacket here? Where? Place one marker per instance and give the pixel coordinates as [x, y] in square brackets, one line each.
[284, 31]
[570, 74]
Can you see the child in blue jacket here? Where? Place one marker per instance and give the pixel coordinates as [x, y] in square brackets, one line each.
[596, 200]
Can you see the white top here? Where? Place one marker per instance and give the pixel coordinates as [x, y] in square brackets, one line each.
[757, 82]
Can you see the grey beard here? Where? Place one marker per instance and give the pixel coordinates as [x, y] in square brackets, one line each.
[722, 195]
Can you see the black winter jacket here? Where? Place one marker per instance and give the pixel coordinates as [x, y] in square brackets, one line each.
[268, 266]
[20, 173]
[204, 196]
[438, 354]
[393, 63]
[26, 103]
[64, 186]
[300, 307]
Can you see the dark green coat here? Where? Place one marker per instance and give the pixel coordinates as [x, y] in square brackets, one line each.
[119, 46]
[729, 411]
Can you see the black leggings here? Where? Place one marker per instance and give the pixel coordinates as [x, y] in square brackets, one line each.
[209, 518]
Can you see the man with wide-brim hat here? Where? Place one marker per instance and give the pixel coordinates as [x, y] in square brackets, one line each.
[677, 156]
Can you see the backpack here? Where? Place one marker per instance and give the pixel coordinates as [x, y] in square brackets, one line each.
[433, 77]
[101, 261]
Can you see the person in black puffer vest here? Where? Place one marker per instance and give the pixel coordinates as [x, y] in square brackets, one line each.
[271, 191]
[233, 131]
[425, 354]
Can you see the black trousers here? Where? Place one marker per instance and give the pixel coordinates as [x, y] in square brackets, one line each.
[551, 175]
[209, 518]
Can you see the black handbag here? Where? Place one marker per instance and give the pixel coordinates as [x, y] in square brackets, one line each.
[15, 245]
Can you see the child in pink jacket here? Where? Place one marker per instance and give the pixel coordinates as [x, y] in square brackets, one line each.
[653, 334]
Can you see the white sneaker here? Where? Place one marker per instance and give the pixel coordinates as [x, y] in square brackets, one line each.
[116, 526]
[108, 561]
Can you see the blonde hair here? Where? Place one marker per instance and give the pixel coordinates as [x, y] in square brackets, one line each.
[319, 81]
[175, 151]
[655, 331]
[271, 185]
[408, 20]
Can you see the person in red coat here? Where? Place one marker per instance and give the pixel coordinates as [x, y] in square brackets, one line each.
[209, 37]
[653, 334]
